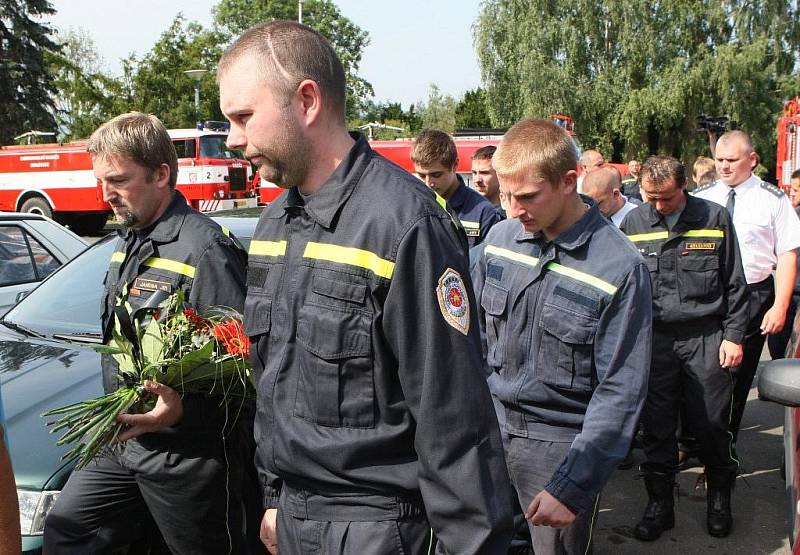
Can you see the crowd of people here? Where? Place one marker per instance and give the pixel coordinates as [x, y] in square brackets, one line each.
[438, 368]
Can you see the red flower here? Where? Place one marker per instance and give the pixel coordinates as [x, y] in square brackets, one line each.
[231, 335]
[195, 319]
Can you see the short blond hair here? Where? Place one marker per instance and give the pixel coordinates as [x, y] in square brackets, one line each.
[141, 138]
[536, 146]
[702, 165]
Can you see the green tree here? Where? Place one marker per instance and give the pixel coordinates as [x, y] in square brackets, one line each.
[438, 111]
[347, 38]
[25, 80]
[85, 96]
[471, 110]
[156, 84]
[635, 75]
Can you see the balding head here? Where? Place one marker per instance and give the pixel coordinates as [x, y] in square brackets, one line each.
[591, 160]
[734, 158]
[604, 186]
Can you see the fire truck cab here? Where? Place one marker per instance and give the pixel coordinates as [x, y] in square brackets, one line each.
[788, 157]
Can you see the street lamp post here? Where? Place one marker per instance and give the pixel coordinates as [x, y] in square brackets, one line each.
[196, 74]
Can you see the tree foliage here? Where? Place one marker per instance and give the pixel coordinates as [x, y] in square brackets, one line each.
[25, 80]
[157, 84]
[347, 38]
[471, 111]
[635, 75]
[86, 96]
[438, 111]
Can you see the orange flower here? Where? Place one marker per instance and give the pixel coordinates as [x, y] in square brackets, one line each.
[231, 335]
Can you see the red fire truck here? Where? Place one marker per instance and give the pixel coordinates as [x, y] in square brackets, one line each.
[57, 180]
[788, 158]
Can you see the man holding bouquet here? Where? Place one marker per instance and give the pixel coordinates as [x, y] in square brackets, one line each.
[180, 461]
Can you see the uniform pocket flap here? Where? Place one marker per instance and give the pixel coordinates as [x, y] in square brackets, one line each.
[353, 292]
[256, 319]
[333, 334]
[493, 299]
[700, 263]
[568, 326]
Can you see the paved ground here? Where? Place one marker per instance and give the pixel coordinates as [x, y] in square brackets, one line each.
[759, 502]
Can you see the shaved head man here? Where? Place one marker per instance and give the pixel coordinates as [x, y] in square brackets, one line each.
[592, 160]
[604, 186]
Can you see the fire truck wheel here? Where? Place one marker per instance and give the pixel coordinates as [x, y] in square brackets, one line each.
[37, 205]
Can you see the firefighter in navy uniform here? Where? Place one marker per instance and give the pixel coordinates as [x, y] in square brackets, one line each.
[565, 309]
[177, 461]
[435, 159]
[700, 303]
[374, 422]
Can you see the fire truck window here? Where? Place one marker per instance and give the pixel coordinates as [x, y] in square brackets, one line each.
[215, 147]
[16, 260]
[185, 148]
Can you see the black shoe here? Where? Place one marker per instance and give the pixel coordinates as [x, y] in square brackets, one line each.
[659, 515]
[719, 519]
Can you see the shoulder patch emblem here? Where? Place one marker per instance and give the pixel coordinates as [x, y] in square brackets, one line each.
[453, 300]
[777, 191]
[704, 187]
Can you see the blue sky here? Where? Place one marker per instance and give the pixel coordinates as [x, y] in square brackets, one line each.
[413, 42]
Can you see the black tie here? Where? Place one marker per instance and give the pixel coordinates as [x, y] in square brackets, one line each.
[731, 204]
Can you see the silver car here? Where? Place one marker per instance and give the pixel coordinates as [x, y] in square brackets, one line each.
[31, 248]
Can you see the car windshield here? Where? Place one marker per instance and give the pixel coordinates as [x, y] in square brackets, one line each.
[67, 303]
[215, 147]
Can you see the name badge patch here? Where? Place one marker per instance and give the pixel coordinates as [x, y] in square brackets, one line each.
[701, 246]
[453, 301]
[152, 285]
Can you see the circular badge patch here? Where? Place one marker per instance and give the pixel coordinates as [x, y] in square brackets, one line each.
[453, 300]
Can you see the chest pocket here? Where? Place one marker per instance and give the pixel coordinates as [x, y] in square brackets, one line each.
[565, 349]
[698, 276]
[335, 385]
[257, 304]
[493, 302]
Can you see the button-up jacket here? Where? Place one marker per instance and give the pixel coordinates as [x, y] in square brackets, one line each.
[367, 354]
[696, 268]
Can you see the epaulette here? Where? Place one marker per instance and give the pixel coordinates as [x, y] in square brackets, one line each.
[777, 191]
[704, 187]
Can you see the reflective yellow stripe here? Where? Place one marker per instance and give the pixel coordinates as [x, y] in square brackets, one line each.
[665, 234]
[440, 201]
[267, 248]
[470, 225]
[225, 231]
[705, 233]
[511, 255]
[118, 257]
[170, 266]
[649, 236]
[351, 256]
[581, 276]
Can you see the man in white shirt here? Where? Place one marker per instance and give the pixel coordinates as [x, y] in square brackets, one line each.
[604, 186]
[768, 231]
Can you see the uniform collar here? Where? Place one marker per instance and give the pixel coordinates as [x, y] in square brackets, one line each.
[693, 213]
[168, 225]
[575, 236]
[744, 186]
[459, 197]
[324, 205]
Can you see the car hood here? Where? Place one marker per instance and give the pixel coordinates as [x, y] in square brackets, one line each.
[37, 375]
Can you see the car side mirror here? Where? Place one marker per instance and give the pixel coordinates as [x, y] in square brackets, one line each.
[21, 295]
[779, 382]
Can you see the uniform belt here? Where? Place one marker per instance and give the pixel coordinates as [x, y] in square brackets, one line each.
[344, 508]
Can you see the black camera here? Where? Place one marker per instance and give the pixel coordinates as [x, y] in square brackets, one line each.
[714, 124]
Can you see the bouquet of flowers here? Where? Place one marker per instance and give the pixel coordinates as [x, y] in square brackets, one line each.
[194, 353]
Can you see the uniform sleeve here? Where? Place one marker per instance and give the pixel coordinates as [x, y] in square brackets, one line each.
[622, 359]
[734, 322]
[462, 472]
[787, 227]
[219, 280]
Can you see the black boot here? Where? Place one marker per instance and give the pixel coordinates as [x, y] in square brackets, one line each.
[659, 515]
[718, 496]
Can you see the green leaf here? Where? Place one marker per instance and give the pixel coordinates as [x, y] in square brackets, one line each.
[152, 342]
